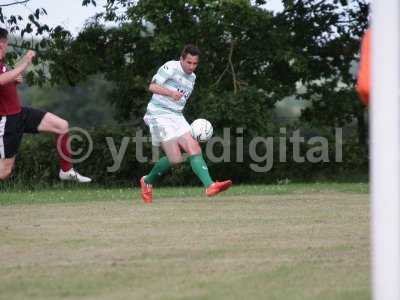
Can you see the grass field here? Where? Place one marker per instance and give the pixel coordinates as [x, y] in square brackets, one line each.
[295, 241]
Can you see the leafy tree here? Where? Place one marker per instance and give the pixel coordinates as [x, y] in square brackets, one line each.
[30, 33]
[20, 28]
[325, 36]
[83, 104]
[251, 58]
[238, 70]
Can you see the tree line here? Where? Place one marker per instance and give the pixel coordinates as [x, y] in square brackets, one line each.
[252, 58]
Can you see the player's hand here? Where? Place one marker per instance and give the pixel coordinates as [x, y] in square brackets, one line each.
[176, 95]
[29, 56]
[19, 79]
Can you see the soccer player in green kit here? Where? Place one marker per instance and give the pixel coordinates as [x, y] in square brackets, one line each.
[171, 87]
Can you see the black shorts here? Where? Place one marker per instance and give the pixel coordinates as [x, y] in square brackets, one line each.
[13, 127]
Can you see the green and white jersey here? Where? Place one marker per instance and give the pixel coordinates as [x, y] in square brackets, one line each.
[171, 76]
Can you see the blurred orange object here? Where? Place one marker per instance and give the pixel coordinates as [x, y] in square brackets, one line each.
[364, 72]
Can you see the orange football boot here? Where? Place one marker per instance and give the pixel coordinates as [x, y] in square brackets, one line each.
[147, 191]
[218, 187]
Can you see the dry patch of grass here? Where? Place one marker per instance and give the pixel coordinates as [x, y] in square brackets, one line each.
[296, 246]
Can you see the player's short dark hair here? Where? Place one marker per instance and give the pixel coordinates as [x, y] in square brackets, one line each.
[190, 49]
[3, 34]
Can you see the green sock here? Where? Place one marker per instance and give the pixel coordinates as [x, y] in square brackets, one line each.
[159, 169]
[199, 167]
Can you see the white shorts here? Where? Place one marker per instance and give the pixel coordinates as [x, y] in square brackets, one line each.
[166, 127]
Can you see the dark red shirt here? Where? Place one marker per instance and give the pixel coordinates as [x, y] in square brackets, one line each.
[9, 100]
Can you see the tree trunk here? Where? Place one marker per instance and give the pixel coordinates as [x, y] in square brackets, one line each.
[362, 128]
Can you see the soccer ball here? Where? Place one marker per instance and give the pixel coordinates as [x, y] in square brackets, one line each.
[202, 130]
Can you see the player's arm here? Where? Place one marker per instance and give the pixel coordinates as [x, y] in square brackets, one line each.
[15, 74]
[164, 73]
[19, 79]
[161, 90]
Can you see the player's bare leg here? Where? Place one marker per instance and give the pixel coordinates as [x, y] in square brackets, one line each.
[6, 167]
[189, 144]
[173, 151]
[58, 126]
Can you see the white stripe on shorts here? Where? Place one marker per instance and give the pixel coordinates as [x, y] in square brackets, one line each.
[2, 130]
